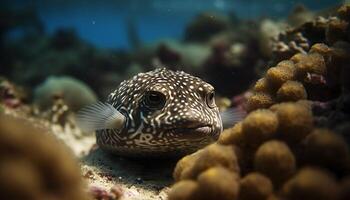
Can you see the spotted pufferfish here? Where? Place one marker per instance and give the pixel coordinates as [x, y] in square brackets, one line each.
[157, 113]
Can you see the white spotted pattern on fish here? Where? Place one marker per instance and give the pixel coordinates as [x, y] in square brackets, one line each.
[167, 113]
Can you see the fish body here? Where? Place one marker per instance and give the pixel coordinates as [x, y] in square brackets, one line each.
[157, 113]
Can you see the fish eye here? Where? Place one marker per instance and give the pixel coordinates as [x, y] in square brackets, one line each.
[154, 100]
[210, 99]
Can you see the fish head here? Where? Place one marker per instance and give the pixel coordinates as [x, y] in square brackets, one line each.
[168, 111]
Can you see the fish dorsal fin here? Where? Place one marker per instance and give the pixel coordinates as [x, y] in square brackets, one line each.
[231, 116]
[100, 116]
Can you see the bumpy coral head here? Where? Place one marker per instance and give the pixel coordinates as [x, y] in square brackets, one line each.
[167, 112]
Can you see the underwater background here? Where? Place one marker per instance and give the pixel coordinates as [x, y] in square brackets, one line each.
[103, 43]
[284, 64]
[106, 24]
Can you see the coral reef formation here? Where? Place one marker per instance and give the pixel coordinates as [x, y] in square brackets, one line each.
[289, 80]
[293, 144]
[328, 30]
[34, 165]
[311, 183]
[279, 149]
[255, 186]
[211, 184]
[65, 88]
[268, 142]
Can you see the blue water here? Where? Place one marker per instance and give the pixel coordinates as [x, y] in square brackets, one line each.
[104, 24]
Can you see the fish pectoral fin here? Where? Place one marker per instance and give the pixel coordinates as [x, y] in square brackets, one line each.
[231, 116]
[100, 116]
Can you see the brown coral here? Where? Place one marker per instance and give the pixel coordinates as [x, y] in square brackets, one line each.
[321, 48]
[184, 190]
[214, 184]
[211, 156]
[336, 30]
[255, 186]
[259, 100]
[28, 157]
[263, 86]
[275, 160]
[313, 63]
[185, 163]
[293, 79]
[327, 149]
[259, 126]
[232, 135]
[311, 184]
[276, 142]
[291, 91]
[283, 72]
[295, 121]
[289, 43]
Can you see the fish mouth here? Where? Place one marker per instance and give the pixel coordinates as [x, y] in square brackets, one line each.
[201, 130]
